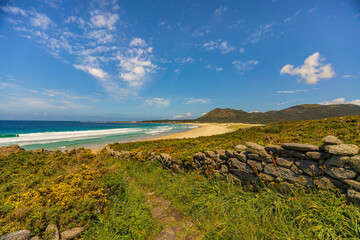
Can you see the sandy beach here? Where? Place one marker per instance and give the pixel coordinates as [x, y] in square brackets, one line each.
[203, 129]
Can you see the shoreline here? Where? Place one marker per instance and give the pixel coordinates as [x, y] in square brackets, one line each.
[202, 130]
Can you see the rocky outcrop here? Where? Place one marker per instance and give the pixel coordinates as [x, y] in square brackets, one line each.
[7, 150]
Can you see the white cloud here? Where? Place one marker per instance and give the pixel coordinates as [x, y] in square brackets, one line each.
[355, 102]
[137, 42]
[158, 102]
[14, 10]
[100, 20]
[101, 36]
[203, 114]
[177, 70]
[289, 19]
[245, 66]
[220, 11]
[40, 20]
[219, 69]
[241, 50]
[261, 33]
[341, 101]
[335, 101]
[197, 100]
[182, 61]
[186, 115]
[347, 76]
[222, 46]
[293, 91]
[312, 70]
[96, 72]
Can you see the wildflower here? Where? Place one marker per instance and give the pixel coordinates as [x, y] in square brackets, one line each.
[115, 198]
[124, 202]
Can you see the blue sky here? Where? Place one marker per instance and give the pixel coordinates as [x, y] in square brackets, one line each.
[136, 60]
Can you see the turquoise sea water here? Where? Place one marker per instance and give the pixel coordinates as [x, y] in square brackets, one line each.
[69, 134]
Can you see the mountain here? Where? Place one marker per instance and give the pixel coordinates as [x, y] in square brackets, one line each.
[299, 112]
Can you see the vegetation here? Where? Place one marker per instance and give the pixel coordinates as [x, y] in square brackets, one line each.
[295, 113]
[106, 195]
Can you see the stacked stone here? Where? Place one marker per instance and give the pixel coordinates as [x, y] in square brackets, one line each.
[166, 161]
[51, 233]
[334, 165]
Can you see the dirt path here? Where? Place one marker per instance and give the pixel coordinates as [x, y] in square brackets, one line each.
[173, 221]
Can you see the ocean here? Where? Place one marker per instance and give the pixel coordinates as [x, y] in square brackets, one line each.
[64, 135]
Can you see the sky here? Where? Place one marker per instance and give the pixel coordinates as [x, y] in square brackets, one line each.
[144, 60]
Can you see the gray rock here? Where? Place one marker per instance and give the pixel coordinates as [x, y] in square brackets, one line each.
[339, 173]
[242, 156]
[296, 170]
[265, 177]
[234, 163]
[294, 154]
[309, 167]
[165, 156]
[276, 149]
[232, 178]
[300, 147]
[230, 153]
[255, 164]
[328, 182]
[259, 157]
[353, 194]
[220, 151]
[355, 162]
[354, 184]
[342, 149]
[19, 235]
[240, 148]
[72, 233]
[209, 153]
[287, 174]
[199, 156]
[331, 140]
[337, 160]
[224, 169]
[257, 149]
[285, 162]
[216, 158]
[317, 155]
[51, 232]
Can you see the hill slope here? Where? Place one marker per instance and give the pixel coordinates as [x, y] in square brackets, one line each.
[295, 113]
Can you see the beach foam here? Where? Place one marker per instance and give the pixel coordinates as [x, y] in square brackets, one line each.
[50, 137]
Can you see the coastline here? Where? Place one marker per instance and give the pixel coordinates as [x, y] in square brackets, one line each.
[203, 130]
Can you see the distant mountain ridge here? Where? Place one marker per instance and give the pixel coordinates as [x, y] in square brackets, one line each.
[294, 113]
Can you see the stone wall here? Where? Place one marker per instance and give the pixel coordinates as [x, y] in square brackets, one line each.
[333, 165]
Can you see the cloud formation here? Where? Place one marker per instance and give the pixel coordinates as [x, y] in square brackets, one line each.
[186, 115]
[264, 31]
[197, 100]
[312, 70]
[222, 46]
[245, 66]
[341, 101]
[158, 102]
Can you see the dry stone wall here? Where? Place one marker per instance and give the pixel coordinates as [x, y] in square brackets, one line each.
[333, 165]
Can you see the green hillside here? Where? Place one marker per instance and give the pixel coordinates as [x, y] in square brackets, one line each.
[295, 113]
